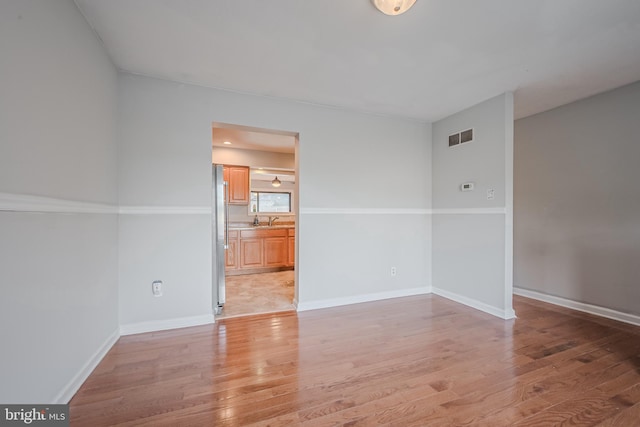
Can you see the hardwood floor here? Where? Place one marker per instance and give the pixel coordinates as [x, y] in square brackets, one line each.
[417, 361]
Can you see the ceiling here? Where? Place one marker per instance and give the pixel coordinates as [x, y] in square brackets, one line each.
[436, 59]
[269, 175]
[252, 139]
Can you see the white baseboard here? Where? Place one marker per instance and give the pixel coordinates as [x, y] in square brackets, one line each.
[163, 325]
[356, 299]
[580, 306]
[79, 378]
[478, 305]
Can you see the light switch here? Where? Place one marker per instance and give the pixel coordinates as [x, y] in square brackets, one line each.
[156, 288]
[491, 194]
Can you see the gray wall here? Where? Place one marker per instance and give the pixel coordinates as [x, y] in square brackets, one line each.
[66, 270]
[58, 271]
[472, 235]
[345, 249]
[577, 201]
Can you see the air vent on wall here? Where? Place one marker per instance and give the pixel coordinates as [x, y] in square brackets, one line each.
[461, 138]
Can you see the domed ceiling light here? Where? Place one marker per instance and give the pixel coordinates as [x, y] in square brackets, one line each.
[393, 7]
[276, 182]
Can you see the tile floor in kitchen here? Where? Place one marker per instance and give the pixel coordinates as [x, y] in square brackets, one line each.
[259, 293]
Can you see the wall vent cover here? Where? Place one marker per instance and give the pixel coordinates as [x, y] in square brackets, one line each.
[460, 138]
[466, 136]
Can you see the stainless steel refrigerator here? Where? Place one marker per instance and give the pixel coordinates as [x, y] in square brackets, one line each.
[220, 236]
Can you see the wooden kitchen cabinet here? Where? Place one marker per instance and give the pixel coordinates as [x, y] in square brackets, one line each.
[251, 253]
[275, 251]
[238, 179]
[291, 250]
[261, 250]
[232, 254]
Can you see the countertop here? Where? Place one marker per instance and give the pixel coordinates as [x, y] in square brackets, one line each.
[262, 226]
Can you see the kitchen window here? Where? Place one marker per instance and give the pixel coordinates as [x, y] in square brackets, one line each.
[270, 202]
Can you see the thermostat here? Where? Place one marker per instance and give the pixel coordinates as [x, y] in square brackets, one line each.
[467, 186]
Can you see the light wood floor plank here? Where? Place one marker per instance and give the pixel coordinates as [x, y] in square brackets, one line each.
[418, 361]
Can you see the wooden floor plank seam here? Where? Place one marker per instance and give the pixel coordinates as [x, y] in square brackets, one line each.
[420, 360]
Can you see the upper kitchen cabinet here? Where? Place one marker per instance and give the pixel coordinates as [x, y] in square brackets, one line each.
[238, 179]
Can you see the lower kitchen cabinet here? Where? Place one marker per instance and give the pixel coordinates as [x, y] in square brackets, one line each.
[231, 254]
[275, 251]
[260, 250]
[291, 251]
[251, 253]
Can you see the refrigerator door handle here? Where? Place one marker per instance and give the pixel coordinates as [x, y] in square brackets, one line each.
[226, 215]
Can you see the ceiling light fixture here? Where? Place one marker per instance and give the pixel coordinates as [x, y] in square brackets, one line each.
[393, 7]
[276, 182]
[226, 143]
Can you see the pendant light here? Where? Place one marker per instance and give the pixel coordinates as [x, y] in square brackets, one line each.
[393, 7]
[276, 182]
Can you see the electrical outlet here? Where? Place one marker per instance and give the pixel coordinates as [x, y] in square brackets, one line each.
[393, 271]
[491, 194]
[156, 288]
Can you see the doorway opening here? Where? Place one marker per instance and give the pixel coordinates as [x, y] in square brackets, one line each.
[255, 265]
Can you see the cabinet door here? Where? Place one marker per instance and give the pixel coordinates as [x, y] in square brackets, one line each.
[225, 173]
[231, 254]
[275, 251]
[238, 185]
[251, 253]
[291, 252]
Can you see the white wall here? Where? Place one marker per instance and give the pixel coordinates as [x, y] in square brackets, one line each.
[58, 104]
[472, 240]
[58, 271]
[577, 201]
[171, 248]
[165, 160]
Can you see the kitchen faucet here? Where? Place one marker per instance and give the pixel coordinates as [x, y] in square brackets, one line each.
[271, 219]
